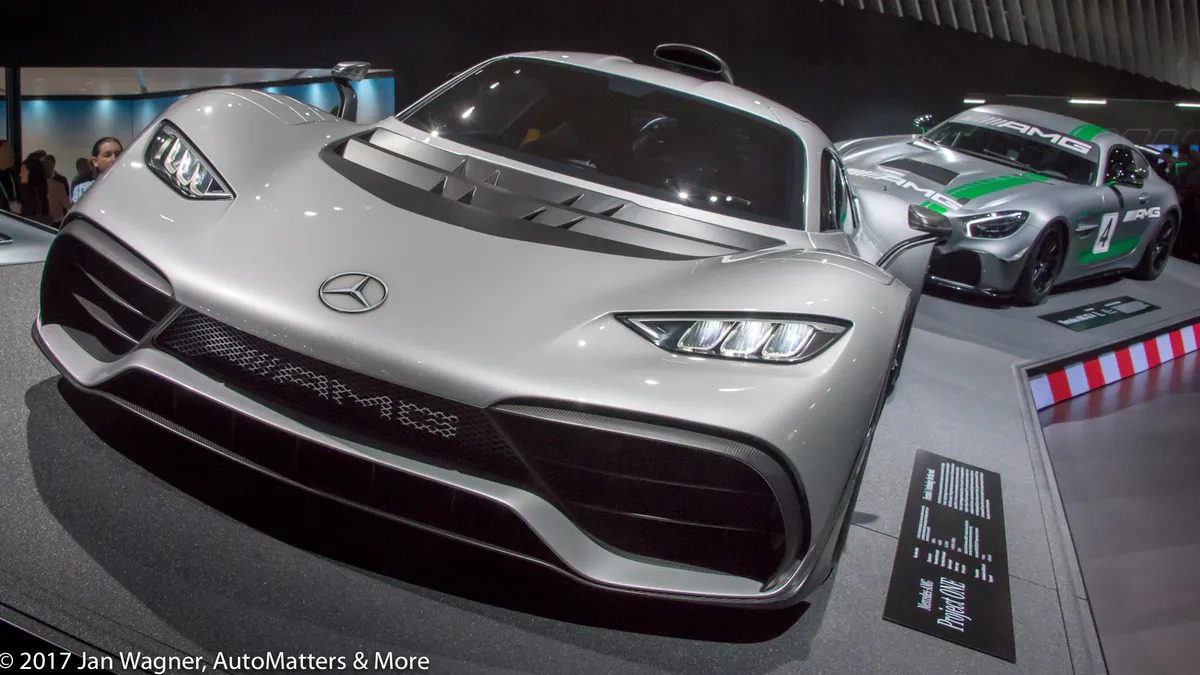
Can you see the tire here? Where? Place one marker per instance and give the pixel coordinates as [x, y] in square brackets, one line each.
[1154, 260]
[1042, 265]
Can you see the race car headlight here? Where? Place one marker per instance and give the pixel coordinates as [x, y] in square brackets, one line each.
[767, 339]
[994, 225]
[172, 158]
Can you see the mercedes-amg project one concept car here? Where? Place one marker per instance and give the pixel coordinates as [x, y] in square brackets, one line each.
[618, 320]
[1034, 198]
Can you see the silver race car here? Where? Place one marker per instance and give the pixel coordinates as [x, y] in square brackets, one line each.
[624, 321]
[1032, 198]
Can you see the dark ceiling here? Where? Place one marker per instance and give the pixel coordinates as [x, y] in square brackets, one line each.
[851, 72]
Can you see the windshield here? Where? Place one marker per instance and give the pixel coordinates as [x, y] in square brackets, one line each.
[1024, 152]
[629, 134]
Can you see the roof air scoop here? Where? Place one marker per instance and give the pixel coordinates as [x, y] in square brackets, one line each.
[693, 61]
[343, 74]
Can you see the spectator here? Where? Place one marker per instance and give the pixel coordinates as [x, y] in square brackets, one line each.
[83, 171]
[104, 154]
[9, 183]
[57, 191]
[34, 204]
[50, 163]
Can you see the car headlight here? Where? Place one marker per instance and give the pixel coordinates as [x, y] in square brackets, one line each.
[765, 339]
[175, 160]
[994, 225]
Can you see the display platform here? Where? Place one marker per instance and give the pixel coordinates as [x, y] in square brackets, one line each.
[116, 539]
[1127, 464]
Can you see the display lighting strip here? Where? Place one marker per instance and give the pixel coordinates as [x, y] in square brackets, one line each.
[1088, 101]
[1187, 104]
[1080, 377]
[974, 101]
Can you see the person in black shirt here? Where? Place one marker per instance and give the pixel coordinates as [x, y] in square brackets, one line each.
[83, 172]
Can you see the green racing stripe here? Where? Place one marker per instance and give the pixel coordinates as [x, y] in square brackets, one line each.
[1086, 132]
[1116, 249]
[986, 186]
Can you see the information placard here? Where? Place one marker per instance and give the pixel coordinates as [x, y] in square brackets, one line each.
[950, 576]
[1099, 313]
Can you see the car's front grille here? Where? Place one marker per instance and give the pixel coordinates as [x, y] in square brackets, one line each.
[347, 403]
[318, 467]
[645, 497]
[963, 267]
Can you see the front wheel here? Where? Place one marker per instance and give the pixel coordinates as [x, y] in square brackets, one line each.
[1154, 260]
[1044, 262]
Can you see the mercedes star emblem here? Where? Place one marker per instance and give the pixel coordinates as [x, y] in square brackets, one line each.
[353, 292]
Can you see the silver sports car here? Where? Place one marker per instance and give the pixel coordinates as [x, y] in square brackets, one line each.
[624, 321]
[1033, 198]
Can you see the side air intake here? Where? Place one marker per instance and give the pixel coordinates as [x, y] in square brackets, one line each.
[109, 298]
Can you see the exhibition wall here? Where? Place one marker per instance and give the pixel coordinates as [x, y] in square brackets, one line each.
[66, 127]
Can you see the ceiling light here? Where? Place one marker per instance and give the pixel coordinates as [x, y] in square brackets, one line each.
[1088, 101]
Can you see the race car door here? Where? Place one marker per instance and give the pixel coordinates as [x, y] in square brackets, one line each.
[1123, 227]
[871, 226]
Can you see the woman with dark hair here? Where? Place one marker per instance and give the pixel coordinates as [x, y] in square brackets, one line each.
[34, 204]
[104, 154]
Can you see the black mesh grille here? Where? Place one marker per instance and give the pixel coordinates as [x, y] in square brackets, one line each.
[346, 403]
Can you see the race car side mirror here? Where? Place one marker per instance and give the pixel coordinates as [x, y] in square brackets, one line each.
[926, 220]
[343, 74]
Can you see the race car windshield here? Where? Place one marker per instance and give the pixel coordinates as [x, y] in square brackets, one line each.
[1023, 152]
[625, 133]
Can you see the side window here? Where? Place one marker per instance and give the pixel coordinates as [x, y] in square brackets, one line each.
[1141, 166]
[1122, 167]
[835, 194]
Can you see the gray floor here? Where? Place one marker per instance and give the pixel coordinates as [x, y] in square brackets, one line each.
[129, 543]
[1128, 462]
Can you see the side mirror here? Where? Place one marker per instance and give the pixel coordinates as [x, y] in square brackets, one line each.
[343, 74]
[929, 221]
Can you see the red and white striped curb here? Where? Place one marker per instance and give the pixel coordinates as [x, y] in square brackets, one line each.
[1081, 377]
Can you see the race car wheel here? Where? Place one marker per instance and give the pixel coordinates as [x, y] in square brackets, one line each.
[1154, 260]
[1044, 263]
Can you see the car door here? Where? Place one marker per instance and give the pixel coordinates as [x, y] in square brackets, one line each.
[1130, 211]
[873, 227]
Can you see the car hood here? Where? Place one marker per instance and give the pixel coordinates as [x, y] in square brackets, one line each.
[939, 178]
